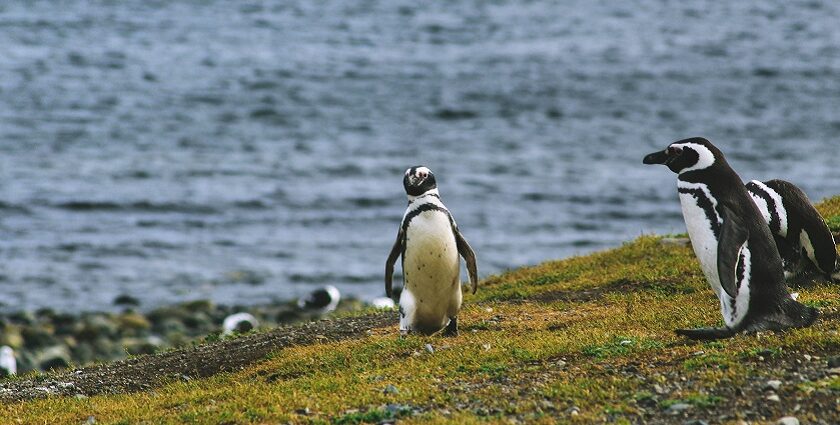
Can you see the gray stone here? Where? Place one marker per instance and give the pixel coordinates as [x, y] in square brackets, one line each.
[788, 420]
[430, 349]
[773, 397]
[773, 385]
[695, 422]
[390, 389]
[55, 357]
[676, 409]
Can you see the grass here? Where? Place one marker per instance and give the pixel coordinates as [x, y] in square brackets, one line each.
[583, 339]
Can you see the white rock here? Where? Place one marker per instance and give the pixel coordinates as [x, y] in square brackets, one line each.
[773, 397]
[788, 420]
[773, 384]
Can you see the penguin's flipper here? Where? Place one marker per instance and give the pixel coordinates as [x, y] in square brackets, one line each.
[706, 334]
[467, 252]
[733, 236]
[396, 250]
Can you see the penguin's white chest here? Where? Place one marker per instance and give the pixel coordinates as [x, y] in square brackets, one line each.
[431, 269]
[702, 222]
[701, 219]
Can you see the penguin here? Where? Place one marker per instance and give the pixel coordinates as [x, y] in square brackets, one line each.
[798, 229]
[239, 322]
[429, 242]
[732, 242]
[321, 301]
[8, 363]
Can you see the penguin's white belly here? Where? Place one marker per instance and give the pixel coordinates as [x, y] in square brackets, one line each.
[431, 269]
[703, 239]
[705, 243]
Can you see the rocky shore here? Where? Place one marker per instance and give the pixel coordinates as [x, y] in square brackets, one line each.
[47, 340]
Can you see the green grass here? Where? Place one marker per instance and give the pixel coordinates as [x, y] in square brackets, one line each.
[528, 349]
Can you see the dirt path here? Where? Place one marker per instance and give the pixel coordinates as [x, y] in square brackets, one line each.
[146, 372]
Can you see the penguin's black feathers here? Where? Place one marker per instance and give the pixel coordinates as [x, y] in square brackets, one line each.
[467, 253]
[803, 216]
[733, 235]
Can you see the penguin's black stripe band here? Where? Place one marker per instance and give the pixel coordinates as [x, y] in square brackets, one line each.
[421, 209]
[775, 222]
[706, 204]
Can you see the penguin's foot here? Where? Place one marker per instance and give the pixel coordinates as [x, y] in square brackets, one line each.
[835, 277]
[452, 327]
[706, 334]
[404, 333]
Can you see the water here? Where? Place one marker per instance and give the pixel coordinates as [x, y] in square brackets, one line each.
[249, 151]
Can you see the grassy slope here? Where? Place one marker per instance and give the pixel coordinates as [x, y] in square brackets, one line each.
[593, 332]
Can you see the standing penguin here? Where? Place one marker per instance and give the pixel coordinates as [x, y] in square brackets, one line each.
[799, 230]
[429, 242]
[732, 242]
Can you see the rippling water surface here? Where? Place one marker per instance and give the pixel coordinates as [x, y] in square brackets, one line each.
[248, 151]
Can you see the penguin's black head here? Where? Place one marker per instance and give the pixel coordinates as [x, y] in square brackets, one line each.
[418, 180]
[684, 155]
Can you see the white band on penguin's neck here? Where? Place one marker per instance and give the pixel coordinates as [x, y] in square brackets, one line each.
[426, 193]
[705, 157]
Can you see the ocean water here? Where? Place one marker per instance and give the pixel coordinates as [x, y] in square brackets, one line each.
[250, 151]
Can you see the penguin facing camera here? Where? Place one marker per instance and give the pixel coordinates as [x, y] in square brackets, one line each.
[429, 243]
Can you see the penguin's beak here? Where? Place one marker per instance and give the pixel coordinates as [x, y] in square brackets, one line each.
[660, 157]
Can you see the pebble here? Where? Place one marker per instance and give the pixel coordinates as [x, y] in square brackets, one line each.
[695, 422]
[773, 385]
[788, 420]
[659, 390]
[430, 349]
[573, 411]
[676, 409]
[773, 397]
[834, 362]
[834, 371]
[807, 357]
[486, 347]
[390, 389]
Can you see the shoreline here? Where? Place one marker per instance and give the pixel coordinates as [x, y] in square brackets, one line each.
[48, 340]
